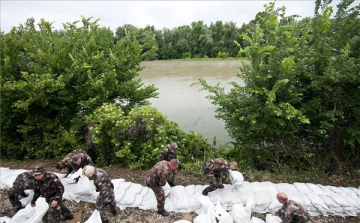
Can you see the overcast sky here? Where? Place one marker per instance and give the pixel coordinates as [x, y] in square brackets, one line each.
[168, 14]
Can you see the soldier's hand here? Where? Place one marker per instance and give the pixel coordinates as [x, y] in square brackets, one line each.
[53, 203]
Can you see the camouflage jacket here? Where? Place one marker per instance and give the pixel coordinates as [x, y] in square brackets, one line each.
[102, 182]
[159, 174]
[23, 182]
[292, 212]
[49, 187]
[168, 154]
[216, 166]
[85, 160]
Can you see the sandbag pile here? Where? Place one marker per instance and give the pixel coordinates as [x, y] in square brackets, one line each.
[238, 199]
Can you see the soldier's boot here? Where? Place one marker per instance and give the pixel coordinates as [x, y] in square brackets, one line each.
[105, 221]
[205, 192]
[113, 210]
[221, 186]
[67, 217]
[171, 183]
[163, 213]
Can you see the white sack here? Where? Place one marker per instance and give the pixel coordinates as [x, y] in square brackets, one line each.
[302, 187]
[240, 214]
[119, 194]
[272, 219]
[27, 200]
[8, 179]
[225, 217]
[84, 187]
[315, 188]
[94, 218]
[256, 220]
[319, 204]
[236, 177]
[333, 206]
[149, 201]
[31, 214]
[136, 188]
[285, 187]
[5, 219]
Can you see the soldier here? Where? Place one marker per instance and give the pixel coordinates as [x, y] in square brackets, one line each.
[103, 184]
[50, 187]
[23, 181]
[169, 153]
[157, 177]
[217, 171]
[74, 160]
[291, 212]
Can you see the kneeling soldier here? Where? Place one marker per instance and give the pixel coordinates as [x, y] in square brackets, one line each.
[103, 184]
[49, 186]
[23, 181]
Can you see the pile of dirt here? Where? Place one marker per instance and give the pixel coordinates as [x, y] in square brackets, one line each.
[82, 211]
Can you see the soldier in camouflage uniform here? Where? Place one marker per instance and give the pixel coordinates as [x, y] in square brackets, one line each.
[157, 177]
[217, 171]
[49, 186]
[169, 153]
[291, 212]
[103, 184]
[74, 160]
[23, 181]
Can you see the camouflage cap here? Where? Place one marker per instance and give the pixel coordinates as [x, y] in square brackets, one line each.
[173, 145]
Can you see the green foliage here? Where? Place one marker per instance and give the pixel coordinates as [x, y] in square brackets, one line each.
[186, 55]
[223, 55]
[50, 80]
[299, 105]
[137, 139]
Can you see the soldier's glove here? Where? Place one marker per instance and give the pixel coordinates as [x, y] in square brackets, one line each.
[77, 179]
[112, 185]
[23, 194]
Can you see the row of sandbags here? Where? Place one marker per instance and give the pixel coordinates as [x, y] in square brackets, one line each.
[317, 199]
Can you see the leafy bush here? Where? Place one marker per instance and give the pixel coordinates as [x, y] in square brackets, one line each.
[222, 55]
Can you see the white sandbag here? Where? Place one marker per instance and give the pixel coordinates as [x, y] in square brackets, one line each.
[215, 195]
[201, 218]
[138, 200]
[136, 188]
[124, 185]
[70, 179]
[263, 199]
[315, 188]
[302, 187]
[333, 206]
[240, 214]
[227, 194]
[27, 200]
[257, 186]
[190, 190]
[31, 214]
[117, 182]
[272, 219]
[285, 187]
[236, 177]
[167, 189]
[149, 201]
[84, 186]
[356, 190]
[245, 186]
[299, 198]
[344, 204]
[256, 220]
[144, 191]
[180, 200]
[119, 194]
[225, 217]
[275, 205]
[319, 204]
[326, 189]
[128, 199]
[5, 219]
[94, 218]
[271, 188]
[245, 195]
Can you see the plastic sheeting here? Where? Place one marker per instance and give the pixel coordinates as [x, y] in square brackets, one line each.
[239, 199]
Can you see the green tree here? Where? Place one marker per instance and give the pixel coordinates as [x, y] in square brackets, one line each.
[50, 81]
[300, 101]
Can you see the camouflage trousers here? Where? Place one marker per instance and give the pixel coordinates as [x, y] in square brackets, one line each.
[172, 178]
[55, 213]
[13, 195]
[102, 201]
[215, 179]
[160, 196]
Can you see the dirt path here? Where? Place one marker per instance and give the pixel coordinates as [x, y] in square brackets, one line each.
[82, 211]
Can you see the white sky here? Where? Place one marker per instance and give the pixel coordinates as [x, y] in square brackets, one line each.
[169, 14]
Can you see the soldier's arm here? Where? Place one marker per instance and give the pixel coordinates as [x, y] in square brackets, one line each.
[36, 196]
[103, 188]
[59, 187]
[163, 155]
[69, 170]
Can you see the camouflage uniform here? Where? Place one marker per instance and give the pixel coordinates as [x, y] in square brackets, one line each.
[68, 163]
[157, 178]
[169, 153]
[215, 170]
[52, 189]
[106, 197]
[23, 181]
[292, 212]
